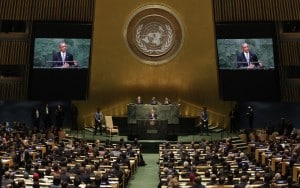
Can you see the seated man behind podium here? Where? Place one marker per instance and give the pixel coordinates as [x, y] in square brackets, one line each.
[139, 100]
[153, 115]
[63, 58]
[154, 101]
[167, 101]
[246, 58]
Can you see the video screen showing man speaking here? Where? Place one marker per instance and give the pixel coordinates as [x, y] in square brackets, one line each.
[61, 53]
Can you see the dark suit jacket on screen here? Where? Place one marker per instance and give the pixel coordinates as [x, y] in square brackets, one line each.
[242, 61]
[57, 59]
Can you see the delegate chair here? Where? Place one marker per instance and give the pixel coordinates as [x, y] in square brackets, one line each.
[110, 127]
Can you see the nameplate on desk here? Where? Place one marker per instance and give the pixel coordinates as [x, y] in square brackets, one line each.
[152, 131]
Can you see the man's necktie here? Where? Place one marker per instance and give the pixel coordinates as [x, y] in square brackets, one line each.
[63, 57]
[247, 57]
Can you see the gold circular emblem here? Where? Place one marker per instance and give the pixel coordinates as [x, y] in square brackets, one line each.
[154, 34]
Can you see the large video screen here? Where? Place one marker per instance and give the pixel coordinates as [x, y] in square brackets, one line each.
[60, 56]
[49, 53]
[247, 61]
[245, 53]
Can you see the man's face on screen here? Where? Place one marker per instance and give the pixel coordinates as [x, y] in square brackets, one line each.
[63, 47]
[245, 48]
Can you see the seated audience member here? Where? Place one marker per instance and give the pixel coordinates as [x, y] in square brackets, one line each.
[230, 180]
[267, 181]
[65, 175]
[116, 172]
[289, 181]
[77, 180]
[243, 156]
[186, 167]
[198, 183]
[207, 174]
[6, 179]
[21, 184]
[97, 180]
[258, 179]
[243, 182]
[268, 172]
[213, 180]
[122, 143]
[245, 172]
[104, 180]
[56, 182]
[174, 183]
[221, 180]
[192, 176]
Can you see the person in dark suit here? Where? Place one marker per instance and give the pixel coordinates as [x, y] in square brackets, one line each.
[250, 116]
[63, 58]
[204, 121]
[246, 58]
[59, 117]
[98, 117]
[243, 182]
[36, 117]
[167, 101]
[233, 119]
[154, 101]
[139, 100]
[47, 117]
[152, 115]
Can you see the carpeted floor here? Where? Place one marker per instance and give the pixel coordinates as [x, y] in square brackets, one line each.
[146, 176]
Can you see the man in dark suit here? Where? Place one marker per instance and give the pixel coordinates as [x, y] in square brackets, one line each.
[154, 101]
[63, 58]
[153, 115]
[243, 182]
[47, 117]
[36, 117]
[246, 58]
[139, 100]
[250, 116]
[204, 121]
[98, 117]
[59, 117]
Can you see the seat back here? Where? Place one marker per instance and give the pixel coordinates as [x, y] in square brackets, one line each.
[109, 122]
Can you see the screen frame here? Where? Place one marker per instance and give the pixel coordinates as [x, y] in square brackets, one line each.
[261, 63]
[65, 30]
[55, 49]
[247, 30]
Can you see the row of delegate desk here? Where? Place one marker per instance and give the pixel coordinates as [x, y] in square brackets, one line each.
[202, 168]
[47, 180]
[266, 157]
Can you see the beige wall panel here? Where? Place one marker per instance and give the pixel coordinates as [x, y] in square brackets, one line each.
[117, 76]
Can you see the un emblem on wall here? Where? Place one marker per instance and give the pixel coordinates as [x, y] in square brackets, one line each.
[154, 34]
